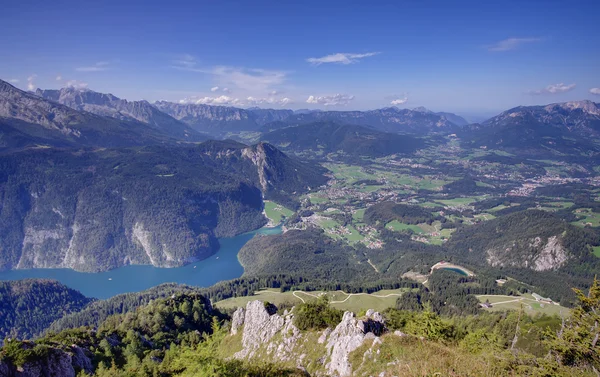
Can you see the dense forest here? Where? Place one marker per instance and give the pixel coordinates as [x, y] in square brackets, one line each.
[384, 212]
[28, 307]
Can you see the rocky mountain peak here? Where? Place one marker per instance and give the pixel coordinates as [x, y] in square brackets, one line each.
[586, 106]
[422, 109]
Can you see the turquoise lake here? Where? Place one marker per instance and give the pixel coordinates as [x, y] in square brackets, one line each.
[457, 270]
[223, 265]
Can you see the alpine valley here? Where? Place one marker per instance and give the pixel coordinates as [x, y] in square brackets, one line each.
[406, 235]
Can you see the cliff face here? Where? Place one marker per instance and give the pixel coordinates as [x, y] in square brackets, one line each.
[101, 209]
[100, 227]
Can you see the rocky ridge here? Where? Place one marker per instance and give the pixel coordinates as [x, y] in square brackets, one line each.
[57, 361]
[111, 106]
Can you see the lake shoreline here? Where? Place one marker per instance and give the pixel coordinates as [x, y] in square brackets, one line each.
[220, 266]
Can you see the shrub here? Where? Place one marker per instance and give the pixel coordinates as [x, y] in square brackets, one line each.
[316, 314]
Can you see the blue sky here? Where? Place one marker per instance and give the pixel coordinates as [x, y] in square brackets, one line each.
[469, 57]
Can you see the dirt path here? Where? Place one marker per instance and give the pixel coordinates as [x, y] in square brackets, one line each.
[295, 294]
[372, 265]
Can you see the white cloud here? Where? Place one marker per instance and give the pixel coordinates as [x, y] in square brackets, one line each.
[219, 89]
[252, 101]
[595, 91]
[14, 81]
[59, 78]
[334, 100]
[253, 79]
[511, 44]
[99, 66]
[185, 61]
[554, 89]
[76, 84]
[340, 58]
[274, 92]
[248, 79]
[221, 100]
[399, 101]
[30, 84]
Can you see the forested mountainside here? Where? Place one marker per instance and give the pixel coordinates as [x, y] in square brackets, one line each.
[183, 335]
[529, 239]
[28, 307]
[97, 210]
[355, 141]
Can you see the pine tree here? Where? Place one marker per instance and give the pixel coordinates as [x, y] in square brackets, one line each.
[577, 342]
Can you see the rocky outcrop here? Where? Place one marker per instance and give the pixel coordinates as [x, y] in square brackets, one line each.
[237, 320]
[259, 328]
[56, 362]
[348, 336]
[280, 340]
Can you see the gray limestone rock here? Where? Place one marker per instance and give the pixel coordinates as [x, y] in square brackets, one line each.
[348, 335]
[237, 320]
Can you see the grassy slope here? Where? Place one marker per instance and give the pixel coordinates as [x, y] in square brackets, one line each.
[526, 301]
[338, 299]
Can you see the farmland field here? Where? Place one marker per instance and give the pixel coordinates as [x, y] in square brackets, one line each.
[275, 212]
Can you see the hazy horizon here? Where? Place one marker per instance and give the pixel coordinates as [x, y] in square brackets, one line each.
[472, 59]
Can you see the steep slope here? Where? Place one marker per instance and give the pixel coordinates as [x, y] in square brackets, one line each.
[27, 307]
[28, 119]
[530, 239]
[278, 176]
[563, 128]
[110, 106]
[97, 210]
[328, 137]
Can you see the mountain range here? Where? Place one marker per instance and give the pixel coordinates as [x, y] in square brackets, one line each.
[567, 128]
[108, 105]
[27, 119]
[71, 116]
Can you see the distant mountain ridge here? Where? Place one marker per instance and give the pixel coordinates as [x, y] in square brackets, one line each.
[110, 106]
[389, 119]
[329, 137]
[569, 127]
[223, 119]
[29, 120]
[580, 117]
